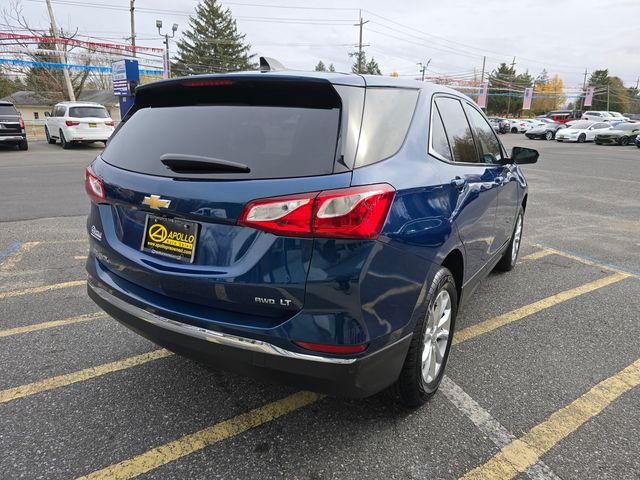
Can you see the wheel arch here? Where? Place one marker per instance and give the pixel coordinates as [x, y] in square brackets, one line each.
[454, 261]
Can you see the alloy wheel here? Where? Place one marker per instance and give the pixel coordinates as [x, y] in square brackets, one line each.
[436, 337]
[517, 236]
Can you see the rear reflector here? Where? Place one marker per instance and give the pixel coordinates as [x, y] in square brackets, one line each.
[355, 212]
[94, 186]
[329, 348]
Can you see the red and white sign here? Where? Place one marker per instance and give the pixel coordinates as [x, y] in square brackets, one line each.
[528, 97]
[482, 94]
[588, 99]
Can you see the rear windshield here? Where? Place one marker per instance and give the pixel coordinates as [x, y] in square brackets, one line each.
[273, 141]
[8, 110]
[86, 112]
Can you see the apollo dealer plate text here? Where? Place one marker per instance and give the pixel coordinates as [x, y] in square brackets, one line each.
[170, 237]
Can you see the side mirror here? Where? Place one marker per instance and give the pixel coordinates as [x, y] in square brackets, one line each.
[47, 114]
[523, 155]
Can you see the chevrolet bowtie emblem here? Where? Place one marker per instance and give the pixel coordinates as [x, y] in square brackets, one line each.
[154, 201]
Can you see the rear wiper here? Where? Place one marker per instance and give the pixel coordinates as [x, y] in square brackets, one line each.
[181, 163]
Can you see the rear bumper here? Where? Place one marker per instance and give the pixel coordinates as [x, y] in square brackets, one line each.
[99, 136]
[12, 138]
[347, 377]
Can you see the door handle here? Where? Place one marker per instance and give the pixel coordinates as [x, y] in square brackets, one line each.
[459, 183]
[499, 180]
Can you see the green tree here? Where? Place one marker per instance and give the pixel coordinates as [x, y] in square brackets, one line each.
[9, 85]
[611, 93]
[499, 81]
[370, 67]
[320, 67]
[212, 43]
[332, 68]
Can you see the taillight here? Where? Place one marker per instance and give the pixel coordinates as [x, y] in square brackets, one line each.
[109, 123]
[21, 122]
[94, 186]
[356, 212]
[330, 348]
[71, 123]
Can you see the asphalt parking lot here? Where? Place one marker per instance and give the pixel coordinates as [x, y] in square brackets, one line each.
[542, 381]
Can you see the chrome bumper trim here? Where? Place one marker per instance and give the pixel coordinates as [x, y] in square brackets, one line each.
[210, 335]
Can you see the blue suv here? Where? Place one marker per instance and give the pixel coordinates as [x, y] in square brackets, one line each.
[318, 229]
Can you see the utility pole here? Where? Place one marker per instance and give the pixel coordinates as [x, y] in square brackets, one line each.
[63, 56]
[360, 24]
[584, 89]
[513, 73]
[484, 61]
[133, 27]
[166, 36]
[608, 90]
[423, 67]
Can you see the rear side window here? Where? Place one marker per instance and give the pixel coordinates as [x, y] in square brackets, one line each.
[439, 143]
[274, 142]
[457, 129]
[88, 112]
[8, 110]
[387, 116]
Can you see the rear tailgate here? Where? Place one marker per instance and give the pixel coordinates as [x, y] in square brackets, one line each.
[285, 133]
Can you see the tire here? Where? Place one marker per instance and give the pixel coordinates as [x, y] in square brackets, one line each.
[414, 387]
[624, 141]
[548, 135]
[514, 130]
[23, 145]
[63, 141]
[50, 141]
[582, 138]
[598, 143]
[510, 256]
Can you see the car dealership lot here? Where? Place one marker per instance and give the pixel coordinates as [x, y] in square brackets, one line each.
[80, 394]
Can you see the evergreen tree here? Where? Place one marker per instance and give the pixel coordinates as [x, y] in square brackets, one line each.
[370, 67]
[332, 68]
[618, 95]
[212, 43]
[499, 80]
[320, 67]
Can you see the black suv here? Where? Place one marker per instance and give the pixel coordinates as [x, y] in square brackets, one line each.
[12, 130]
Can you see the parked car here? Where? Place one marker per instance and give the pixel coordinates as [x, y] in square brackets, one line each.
[235, 219]
[547, 131]
[78, 122]
[619, 116]
[500, 125]
[597, 116]
[564, 116]
[12, 131]
[516, 125]
[621, 134]
[637, 141]
[581, 132]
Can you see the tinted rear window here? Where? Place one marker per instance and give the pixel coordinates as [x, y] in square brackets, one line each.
[273, 141]
[87, 112]
[8, 110]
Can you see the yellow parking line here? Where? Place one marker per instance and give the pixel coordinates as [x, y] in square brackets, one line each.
[194, 442]
[520, 454]
[79, 376]
[536, 255]
[56, 323]
[44, 288]
[535, 307]
[14, 258]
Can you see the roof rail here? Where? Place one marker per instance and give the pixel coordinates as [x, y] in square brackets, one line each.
[268, 64]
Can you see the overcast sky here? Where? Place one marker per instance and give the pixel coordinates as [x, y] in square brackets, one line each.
[565, 36]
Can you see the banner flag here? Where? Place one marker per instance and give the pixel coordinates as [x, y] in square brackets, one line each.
[482, 94]
[588, 100]
[528, 97]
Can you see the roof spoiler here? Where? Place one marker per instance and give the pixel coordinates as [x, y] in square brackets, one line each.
[268, 64]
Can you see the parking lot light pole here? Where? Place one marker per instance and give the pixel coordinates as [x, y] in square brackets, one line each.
[166, 36]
